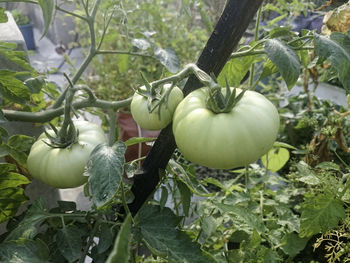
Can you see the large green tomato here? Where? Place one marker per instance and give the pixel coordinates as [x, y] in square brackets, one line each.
[154, 121]
[64, 167]
[225, 140]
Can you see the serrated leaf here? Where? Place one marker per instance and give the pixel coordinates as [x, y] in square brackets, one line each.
[105, 238]
[12, 88]
[19, 58]
[285, 59]
[292, 244]
[137, 140]
[337, 53]
[27, 227]
[24, 251]
[185, 195]
[121, 250]
[21, 142]
[268, 70]
[275, 159]
[3, 16]
[69, 242]
[328, 166]
[168, 58]
[235, 70]
[158, 227]
[319, 214]
[48, 8]
[105, 169]
[12, 180]
[191, 181]
[141, 43]
[252, 220]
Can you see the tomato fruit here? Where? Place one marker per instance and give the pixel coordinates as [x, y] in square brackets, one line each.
[225, 140]
[159, 118]
[64, 167]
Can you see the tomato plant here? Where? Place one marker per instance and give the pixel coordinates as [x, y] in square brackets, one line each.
[225, 140]
[151, 115]
[64, 167]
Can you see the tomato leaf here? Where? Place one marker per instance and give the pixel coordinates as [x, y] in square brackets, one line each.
[158, 229]
[69, 242]
[121, 251]
[105, 169]
[292, 244]
[27, 227]
[11, 192]
[188, 179]
[275, 159]
[3, 16]
[337, 50]
[48, 8]
[285, 59]
[105, 238]
[186, 195]
[24, 251]
[235, 70]
[141, 43]
[13, 58]
[319, 214]
[21, 142]
[12, 88]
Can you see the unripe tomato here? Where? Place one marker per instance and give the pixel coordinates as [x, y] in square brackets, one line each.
[154, 121]
[225, 140]
[64, 167]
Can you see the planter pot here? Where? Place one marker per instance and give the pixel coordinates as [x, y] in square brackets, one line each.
[129, 129]
[27, 32]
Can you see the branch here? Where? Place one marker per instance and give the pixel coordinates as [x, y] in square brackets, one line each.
[49, 114]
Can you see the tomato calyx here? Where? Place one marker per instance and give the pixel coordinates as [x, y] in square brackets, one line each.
[63, 138]
[223, 102]
[154, 94]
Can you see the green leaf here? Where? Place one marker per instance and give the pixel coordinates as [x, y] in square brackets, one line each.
[136, 140]
[21, 142]
[69, 242]
[11, 192]
[18, 58]
[48, 8]
[105, 238]
[163, 197]
[188, 179]
[12, 180]
[268, 70]
[284, 145]
[319, 214]
[27, 227]
[105, 169]
[12, 88]
[235, 70]
[158, 227]
[168, 58]
[337, 53]
[3, 16]
[328, 166]
[185, 195]
[24, 251]
[209, 225]
[275, 159]
[292, 244]
[243, 214]
[121, 250]
[141, 43]
[286, 60]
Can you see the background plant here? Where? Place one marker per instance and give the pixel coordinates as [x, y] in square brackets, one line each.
[278, 209]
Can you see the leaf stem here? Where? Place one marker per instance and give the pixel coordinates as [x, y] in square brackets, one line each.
[90, 241]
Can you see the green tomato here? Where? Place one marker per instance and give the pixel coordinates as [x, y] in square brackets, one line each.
[64, 167]
[160, 117]
[225, 140]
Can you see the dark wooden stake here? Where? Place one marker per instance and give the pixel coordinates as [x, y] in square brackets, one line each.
[225, 37]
